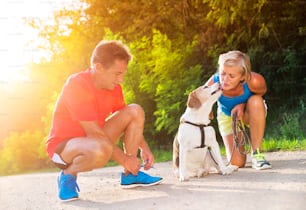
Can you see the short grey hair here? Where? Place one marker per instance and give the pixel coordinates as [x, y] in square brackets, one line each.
[236, 58]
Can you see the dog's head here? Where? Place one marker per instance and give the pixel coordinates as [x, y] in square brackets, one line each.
[204, 94]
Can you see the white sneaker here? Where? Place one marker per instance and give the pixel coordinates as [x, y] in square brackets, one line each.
[259, 162]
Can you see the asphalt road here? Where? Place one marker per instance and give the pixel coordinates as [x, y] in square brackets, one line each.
[279, 188]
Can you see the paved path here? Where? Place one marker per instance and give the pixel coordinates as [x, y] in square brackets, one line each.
[283, 187]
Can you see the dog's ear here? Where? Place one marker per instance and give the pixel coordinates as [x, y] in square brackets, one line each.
[193, 100]
[211, 115]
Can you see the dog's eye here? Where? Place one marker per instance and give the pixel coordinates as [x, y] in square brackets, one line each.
[205, 87]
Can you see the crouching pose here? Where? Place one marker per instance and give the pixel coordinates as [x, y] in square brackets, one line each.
[89, 118]
[242, 92]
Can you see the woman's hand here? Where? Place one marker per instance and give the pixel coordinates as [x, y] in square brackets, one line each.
[239, 109]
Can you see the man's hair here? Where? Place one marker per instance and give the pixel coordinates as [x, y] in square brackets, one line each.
[107, 52]
[236, 58]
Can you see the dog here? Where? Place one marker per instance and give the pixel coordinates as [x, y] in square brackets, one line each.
[196, 151]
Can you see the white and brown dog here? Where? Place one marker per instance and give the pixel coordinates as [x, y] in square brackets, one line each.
[195, 148]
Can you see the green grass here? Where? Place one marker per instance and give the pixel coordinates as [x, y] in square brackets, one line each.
[268, 145]
[272, 144]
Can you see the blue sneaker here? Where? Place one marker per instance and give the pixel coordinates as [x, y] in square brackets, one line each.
[67, 187]
[141, 179]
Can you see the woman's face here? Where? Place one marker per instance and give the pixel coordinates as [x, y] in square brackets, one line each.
[230, 77]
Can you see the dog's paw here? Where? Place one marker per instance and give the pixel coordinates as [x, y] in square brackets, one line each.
[202, 172]
[176, 173]
[234, 167]
[183, 178]
[229, 169]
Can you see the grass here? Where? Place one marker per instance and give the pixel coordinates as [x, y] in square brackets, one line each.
[268, 145]
[272, 144]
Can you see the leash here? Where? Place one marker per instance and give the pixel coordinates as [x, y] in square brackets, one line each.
[202, 126]
[241, 137]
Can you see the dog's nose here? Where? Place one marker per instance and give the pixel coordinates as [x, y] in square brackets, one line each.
[215, 88]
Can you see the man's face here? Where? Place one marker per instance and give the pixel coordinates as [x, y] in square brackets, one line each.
[111, 77]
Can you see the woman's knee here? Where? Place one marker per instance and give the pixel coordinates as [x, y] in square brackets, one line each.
[239, 161]
[255, 102]
[255, 108]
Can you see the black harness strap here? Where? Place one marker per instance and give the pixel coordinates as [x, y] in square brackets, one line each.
[201, 126]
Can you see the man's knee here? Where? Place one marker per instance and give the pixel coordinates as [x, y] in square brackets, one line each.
[99, 150]
[136, 111]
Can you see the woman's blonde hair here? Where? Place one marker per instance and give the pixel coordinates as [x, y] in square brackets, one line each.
[236, 58]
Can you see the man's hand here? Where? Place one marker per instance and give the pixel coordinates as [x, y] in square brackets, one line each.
[131, 164]
[147, 157]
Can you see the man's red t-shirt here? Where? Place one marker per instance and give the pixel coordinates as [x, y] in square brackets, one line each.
[78, 101]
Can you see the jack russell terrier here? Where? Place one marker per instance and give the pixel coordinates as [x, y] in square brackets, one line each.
[196, 151]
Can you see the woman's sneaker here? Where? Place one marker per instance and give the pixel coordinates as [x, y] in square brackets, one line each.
[67, 187]
[141, 179]
[259, 162]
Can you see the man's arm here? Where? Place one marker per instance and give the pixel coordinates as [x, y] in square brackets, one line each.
[130, 163]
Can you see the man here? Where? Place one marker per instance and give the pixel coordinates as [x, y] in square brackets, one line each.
[90, 116]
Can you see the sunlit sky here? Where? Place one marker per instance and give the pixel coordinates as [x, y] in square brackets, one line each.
[15, 37]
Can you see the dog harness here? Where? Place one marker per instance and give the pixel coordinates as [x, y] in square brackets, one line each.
[201, 126]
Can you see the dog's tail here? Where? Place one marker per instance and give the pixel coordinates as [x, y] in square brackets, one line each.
[175, 153]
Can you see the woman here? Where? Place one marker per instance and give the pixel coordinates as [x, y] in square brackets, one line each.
[242, 94]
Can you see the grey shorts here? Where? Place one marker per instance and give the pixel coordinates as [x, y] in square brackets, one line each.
[57, 159]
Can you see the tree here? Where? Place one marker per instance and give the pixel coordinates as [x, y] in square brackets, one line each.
[176, 44]
[21, 152]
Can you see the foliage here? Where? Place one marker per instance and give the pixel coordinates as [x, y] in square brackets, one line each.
[290, 128]
[175, 44]
[176, 47]
[158, 77]
[22, 152]
[291, 124]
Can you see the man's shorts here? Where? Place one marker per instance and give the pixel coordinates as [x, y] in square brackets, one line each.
[225, 122]
[57, 159]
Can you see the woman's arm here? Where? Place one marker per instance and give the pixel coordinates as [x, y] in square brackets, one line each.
[257, 84]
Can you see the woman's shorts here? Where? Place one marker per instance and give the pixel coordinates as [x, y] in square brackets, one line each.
[225, 122]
